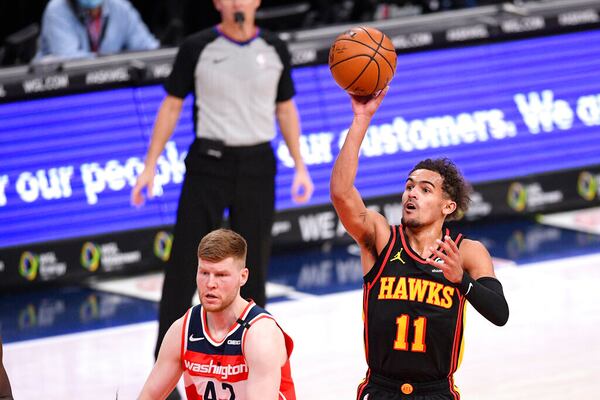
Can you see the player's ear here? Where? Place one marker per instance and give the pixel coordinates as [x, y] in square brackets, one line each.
[244, 276]
[449, 207]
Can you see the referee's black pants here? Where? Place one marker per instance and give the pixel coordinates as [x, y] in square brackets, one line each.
[242, 180]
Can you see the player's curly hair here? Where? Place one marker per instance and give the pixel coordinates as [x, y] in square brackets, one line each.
[454, 185]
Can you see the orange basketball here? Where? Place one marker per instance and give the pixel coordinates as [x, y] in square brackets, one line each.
[362, 61]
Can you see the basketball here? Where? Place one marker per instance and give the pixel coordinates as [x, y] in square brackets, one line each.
[362, 61]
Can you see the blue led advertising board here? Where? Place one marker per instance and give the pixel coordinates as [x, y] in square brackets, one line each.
[503, 110]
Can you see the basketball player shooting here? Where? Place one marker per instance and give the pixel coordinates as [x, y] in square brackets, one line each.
[417, 275]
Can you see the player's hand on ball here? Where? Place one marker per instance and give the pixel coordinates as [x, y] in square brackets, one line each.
[367, 105]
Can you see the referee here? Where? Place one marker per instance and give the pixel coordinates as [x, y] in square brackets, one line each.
[240, 76]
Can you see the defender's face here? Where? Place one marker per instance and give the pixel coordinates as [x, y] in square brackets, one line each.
[228, 8]
[423, 200]
[219, 282]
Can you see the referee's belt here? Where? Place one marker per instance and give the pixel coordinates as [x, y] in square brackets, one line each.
[408, 387]
[218, 148]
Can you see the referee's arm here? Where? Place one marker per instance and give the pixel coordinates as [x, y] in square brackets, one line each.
[289, 124]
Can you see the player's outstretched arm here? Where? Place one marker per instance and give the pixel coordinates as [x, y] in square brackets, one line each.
[360, 223]
[265, 354]
[472, 271]
[167, 369]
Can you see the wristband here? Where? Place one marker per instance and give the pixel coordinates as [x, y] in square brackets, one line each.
[486, 296]
[466, 285]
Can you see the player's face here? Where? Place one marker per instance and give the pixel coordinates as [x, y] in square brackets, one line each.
[219, 282]
[423, 200]
[228, 8]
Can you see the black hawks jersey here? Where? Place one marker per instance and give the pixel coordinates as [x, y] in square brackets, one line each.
[413, 315]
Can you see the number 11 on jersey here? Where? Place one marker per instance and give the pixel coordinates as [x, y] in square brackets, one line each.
[401, 342]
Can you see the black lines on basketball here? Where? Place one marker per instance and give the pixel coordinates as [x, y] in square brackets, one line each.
[367, 31]
[356, 58]
[349, 58]
[362, 72]
[362, 28]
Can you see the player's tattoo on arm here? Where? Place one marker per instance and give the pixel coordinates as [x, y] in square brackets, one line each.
[363, 215]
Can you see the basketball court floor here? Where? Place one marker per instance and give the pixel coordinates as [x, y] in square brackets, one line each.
[97, 342]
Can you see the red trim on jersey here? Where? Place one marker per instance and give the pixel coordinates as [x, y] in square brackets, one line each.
[367, 289]
[457, 336]
[289, 343]
[387, 255]
[232, 328]
[258, 317]
[407, 248]
[458, 239]
[287, 389]
[363, 385]
[453, 391]
[457, 340]
[184, 335]
[459, 327]
[365, 330]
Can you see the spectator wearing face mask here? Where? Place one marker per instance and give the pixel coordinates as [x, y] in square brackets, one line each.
[84, 28]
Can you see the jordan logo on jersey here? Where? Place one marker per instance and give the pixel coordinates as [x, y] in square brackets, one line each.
[398, 257]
